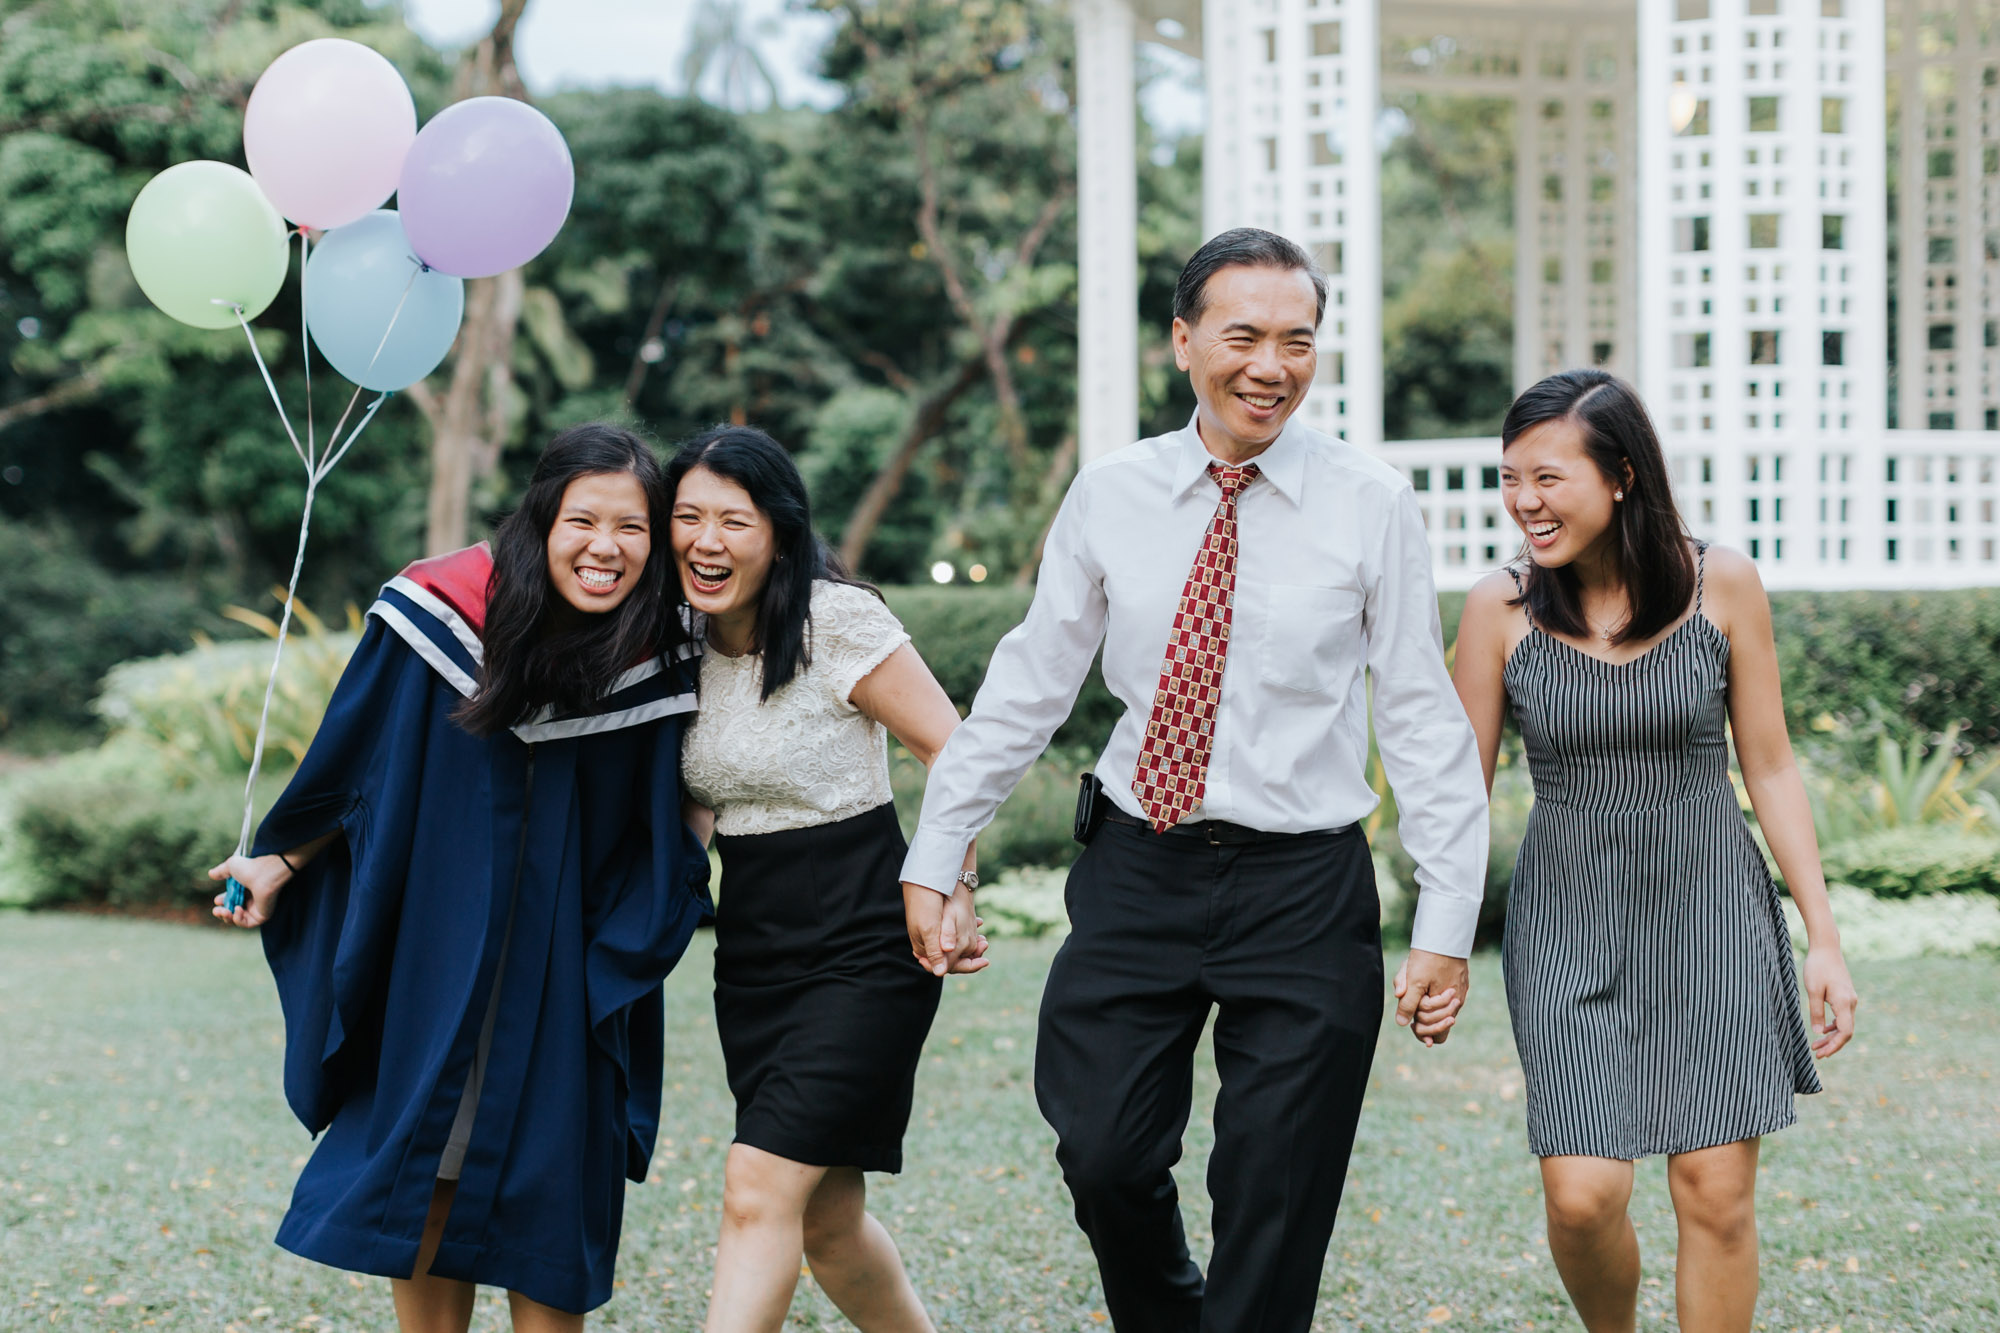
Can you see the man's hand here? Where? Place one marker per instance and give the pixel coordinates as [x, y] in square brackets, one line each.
[944, 934]
[1430, 990]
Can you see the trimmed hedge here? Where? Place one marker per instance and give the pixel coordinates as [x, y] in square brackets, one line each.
[956, 630]
[1932, 656]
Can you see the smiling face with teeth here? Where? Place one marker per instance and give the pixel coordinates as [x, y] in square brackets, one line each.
[600, 541]
[1250, 355]
[724, 547]
[1560, 498]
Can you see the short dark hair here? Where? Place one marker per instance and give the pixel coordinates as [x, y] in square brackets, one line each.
[759, 464]
[1249, 247]
[1653, 540]
[527, 661]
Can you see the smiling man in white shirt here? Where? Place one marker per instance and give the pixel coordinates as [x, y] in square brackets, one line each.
[1244, 575]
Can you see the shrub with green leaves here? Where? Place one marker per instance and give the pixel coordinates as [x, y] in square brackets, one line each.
[1033, 825]
[105, 827]
[1916, 860]
[1937, 925]
[1932, 657]
[1026, 903]
[199, 710]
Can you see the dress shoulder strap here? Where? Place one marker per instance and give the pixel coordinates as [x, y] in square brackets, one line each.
[1521, 591]
[1700, 562]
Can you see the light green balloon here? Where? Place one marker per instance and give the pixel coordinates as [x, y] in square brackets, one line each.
[202, 232]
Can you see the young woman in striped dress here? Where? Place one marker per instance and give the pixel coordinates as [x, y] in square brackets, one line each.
[1648, 968]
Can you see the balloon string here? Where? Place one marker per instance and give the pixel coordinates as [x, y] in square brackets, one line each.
[271, 685]
[265, 370]
[335, 455]
[305, 343]
[317, 468]
[355, 397]
[313, 479]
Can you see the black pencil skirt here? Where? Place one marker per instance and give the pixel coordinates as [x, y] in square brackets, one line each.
[821, 1008]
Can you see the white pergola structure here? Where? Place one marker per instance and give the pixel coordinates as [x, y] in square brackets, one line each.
[1700, 206]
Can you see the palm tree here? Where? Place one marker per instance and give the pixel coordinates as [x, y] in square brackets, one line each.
[719, 39]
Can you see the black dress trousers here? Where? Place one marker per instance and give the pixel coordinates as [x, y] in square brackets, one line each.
[1283, 937]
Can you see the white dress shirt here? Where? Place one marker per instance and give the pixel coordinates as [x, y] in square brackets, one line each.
[1332, 580]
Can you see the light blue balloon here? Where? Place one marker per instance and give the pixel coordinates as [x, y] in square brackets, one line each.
[355, 284]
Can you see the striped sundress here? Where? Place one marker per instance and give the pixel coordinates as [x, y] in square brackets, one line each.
[1648, 968]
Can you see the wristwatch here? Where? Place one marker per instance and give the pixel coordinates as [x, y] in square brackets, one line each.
[969, 878]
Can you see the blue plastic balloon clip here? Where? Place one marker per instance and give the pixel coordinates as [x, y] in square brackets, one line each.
[234, 895]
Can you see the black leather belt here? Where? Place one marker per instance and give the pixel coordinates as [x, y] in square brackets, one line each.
[1219, 832]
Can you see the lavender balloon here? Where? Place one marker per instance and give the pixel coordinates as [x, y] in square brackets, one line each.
[485, 187]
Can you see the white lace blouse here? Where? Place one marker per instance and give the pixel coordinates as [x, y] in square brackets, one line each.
[807, 755]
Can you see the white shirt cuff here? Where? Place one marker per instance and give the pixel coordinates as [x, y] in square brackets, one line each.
[935, 859]
[1444, 925]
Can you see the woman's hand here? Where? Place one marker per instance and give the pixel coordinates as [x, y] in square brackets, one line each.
[263, 876]
[944, 932]
[1829, 987]
[958, 933]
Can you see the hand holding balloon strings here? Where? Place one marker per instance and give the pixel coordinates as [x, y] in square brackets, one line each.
[318, 466]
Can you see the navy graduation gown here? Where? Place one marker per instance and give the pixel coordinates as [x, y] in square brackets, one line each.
[386, 948]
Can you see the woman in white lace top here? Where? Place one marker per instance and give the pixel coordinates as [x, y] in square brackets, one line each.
[820, 1001]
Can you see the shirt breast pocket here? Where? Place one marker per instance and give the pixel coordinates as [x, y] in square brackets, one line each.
[1311, 637]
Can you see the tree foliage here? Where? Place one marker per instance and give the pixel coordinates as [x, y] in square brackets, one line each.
[887, 286]
[1447, 267]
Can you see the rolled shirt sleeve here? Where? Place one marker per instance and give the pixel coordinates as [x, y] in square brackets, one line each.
[1030, 686]
[1426, 742]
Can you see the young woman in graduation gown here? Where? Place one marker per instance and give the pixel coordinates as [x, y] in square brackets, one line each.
[820, 1002]
[470, 893]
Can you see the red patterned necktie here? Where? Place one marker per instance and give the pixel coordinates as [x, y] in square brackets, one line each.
[1173, 763]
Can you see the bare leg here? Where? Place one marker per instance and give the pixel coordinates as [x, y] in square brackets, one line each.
[763, 1240]
[426, 1304]
[854, 1260]
[1715, 1204]
[1591, 1238]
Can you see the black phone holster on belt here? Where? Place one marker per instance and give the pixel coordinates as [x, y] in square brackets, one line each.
[1091, 806]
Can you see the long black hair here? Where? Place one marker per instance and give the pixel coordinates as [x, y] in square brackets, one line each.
[532, 657]
[1652, 548]
[753, 460]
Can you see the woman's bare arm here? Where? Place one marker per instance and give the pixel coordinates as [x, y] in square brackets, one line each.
[1736, 602]
[905, 697]
[1487, 631]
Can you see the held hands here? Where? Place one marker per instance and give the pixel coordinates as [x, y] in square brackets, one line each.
[944, 935]
[1828, 987]
[1430, 990]
[263, 876]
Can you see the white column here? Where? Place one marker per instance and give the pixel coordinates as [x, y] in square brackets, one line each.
[1107, 406]
[1226, 140]
[1362, 187]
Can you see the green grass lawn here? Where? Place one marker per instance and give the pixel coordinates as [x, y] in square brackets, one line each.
[146, 1157]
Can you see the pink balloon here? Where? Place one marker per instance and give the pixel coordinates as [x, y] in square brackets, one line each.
[326, 131]
[486, 187]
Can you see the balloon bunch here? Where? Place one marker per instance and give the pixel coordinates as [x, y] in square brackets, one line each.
[330, 133]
